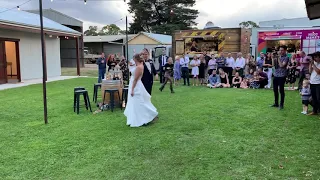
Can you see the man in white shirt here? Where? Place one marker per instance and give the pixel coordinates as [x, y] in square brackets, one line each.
[229, 66]
[314, 68]
[239, 64]
[184, 62]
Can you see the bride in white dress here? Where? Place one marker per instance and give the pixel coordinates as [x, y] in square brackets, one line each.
[139, 110]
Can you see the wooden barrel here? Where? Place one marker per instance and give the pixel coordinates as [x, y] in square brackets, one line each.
[111, 84]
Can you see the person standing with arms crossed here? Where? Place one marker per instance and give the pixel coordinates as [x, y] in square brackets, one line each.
[184, 62]
[280, 77]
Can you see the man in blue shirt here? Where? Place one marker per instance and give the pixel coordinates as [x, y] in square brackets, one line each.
[214, 80]
[102, 65]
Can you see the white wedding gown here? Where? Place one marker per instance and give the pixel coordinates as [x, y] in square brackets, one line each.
[139, 109]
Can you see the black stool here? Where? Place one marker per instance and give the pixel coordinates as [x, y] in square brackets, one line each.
[111, 92]
[86, 99]
[125, 95]
[126, 86]
[95, 91]
[74, 96]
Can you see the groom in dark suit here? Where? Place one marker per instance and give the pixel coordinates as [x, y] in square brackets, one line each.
[149, 71]
[163, 59]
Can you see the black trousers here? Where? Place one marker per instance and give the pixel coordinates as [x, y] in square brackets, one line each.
[185, 75]
[278, 85]
[161, 74]
[315, 93]
[165, 82]
[229, 71]
[302, 77]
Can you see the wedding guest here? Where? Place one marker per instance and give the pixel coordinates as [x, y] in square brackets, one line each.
[195, 63]
[102, 66]
[207, 57]
[168, 73]
[260, 60]
[202, 69]
[229, 66]
[280, 77]
[239, 64]
[214, 80]
[305, 93]
[111, 62]
[304, 67]
[237, 80]
[254, 82]
[162, 61]
[263, 78]
[212, 64]
[177, 71]
[224, 79]
[221, 61]
[124, 68]
[267, 68]
[292, 72]
[250, 64]
[244, 84]
[314, 68]
[184, 62]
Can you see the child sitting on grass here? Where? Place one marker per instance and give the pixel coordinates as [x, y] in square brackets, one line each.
[305, 96]
[254, 83]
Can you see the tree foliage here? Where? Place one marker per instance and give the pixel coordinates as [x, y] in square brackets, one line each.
[111, 29]
[162, 16]
[248, 24]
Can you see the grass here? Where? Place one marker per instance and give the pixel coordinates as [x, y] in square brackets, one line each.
[201, 134]
[84, 72]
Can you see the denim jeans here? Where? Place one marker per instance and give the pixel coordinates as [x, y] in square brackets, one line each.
[102, 72]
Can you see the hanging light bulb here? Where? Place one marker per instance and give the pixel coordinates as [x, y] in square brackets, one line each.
[18, 8]
[51, 0]
[50, 35]
[85, 2]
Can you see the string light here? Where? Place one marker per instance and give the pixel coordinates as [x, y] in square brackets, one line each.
[18, 8]
[51, 0]
[85, 2]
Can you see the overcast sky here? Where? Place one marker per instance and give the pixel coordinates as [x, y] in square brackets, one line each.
[224, 13]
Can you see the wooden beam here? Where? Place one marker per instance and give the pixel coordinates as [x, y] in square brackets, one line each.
[77, 55]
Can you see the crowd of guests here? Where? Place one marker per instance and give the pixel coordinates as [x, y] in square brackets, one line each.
[269, 69]
[112, 62]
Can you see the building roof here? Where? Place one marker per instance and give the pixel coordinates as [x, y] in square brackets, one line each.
[161, 38]
[26, 20]
[58, 17]
[294, 22]
[107, 38]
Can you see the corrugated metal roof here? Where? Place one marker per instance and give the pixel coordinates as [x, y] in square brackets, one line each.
[161, 38]
[107, 38]
[27, 19]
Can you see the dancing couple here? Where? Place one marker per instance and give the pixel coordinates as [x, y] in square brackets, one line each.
[139, 110]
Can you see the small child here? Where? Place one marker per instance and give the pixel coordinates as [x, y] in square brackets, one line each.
[305, 96]
[254, 83]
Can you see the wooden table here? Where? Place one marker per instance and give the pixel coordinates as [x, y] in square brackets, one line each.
[112, 84]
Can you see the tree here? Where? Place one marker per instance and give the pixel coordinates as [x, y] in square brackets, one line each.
[248, 24]
[111, 29]
[92, 31]
[162, 16]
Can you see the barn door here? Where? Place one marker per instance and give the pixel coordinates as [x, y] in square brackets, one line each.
[3, 64]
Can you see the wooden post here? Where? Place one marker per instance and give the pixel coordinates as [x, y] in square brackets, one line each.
[77, 55]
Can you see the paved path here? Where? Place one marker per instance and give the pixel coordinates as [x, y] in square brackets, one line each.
[33, 81]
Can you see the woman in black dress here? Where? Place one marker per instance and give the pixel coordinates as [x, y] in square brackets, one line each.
[224, 79]
[292, 72]
[202, 70]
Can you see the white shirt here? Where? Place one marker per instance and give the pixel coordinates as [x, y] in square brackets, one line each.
[230, 62]
[240, 62]
[148, 66]
[164, 60]
[315, 77]
[184, 62]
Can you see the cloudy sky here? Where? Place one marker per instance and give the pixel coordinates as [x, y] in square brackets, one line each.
[224, 13]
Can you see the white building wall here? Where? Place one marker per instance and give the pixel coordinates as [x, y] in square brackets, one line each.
[31, 56]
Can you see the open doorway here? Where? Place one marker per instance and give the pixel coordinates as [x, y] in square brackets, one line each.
[9, 61]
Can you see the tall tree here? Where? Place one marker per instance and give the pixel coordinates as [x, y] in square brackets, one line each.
[162, 16]
[111, 29]
[248, 24]
[92, 31]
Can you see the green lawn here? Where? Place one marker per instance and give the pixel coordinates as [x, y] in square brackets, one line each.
[201, 134]
[83, 72]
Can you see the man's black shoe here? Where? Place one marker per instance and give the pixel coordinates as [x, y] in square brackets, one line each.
[280, 107]
[274, 105]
